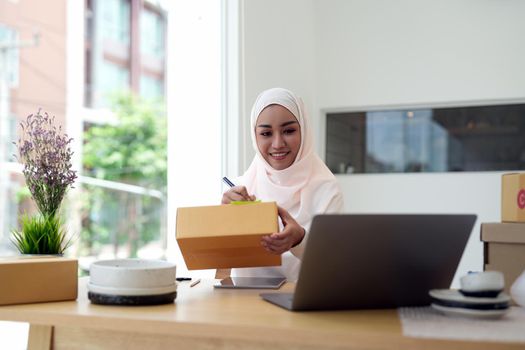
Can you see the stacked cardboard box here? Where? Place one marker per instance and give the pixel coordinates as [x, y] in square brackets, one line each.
[504, 242]
[226, 236]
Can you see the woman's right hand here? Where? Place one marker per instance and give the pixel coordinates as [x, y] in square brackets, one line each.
[236, 193]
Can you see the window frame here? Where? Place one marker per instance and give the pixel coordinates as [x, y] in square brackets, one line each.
[390, 107]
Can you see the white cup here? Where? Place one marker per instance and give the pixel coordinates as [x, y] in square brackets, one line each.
[482, 281]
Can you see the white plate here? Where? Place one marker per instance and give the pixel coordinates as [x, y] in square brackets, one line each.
[455, 295]
[481, 314]
[118, 291]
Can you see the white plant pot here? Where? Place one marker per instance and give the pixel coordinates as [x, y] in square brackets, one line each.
[132, 282]
[132, 274]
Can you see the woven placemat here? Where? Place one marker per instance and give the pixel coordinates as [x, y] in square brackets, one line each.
[425, 322]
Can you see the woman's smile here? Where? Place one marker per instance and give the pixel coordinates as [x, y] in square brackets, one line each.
[279, 155]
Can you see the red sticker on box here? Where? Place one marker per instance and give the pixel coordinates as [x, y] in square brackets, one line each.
[521, 199]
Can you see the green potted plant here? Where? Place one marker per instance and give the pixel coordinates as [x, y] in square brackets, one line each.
[45, 153]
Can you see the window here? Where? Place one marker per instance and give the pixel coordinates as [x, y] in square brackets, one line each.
[151, 34]
[481, 138]
[116, 20]
[10, 194]
[150, 87]
[113, 62]
[113, 78]
[124, 183]
[11, 69]
[124, 160]
[13, 195]
[107, 50]
[12, 136]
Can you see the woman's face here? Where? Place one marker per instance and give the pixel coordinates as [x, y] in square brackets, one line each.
[278, 136]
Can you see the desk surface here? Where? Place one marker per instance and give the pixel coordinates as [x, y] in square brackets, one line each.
[222, 315]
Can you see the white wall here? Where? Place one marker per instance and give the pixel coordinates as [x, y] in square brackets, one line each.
[418, 51]
[469, 193]
[373, 53]
[278, 50]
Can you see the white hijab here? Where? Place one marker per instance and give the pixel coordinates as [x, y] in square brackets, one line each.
[305, 188]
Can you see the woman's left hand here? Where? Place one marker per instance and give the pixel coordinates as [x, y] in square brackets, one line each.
[292, 234]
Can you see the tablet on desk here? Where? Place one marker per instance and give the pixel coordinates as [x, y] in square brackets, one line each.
[251, 282]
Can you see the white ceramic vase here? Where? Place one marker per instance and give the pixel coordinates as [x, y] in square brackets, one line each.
[517, 290]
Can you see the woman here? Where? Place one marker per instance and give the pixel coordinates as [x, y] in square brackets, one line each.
[286, 170]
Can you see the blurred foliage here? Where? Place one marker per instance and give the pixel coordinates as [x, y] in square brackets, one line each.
[22, 194]
[132, 150]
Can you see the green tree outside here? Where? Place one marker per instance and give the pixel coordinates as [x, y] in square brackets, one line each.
[133, 151]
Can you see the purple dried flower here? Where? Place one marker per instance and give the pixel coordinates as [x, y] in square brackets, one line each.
[46, 155]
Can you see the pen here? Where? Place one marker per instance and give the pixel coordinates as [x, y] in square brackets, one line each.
[231, 184]
[227, 182]
[194, 283]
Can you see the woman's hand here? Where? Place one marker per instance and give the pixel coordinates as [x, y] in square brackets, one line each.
[292, 235]
[236, 193]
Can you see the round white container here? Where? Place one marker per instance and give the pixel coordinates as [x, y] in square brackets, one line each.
[132, 273]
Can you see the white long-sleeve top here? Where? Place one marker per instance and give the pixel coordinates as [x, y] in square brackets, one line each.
[291, 260]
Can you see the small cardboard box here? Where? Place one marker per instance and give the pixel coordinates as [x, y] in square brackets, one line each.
[513, 197]
[37, 279]
[226, 236]
[504, 249]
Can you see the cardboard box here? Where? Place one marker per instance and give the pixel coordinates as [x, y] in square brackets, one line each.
[504, 249]
[37, 279]
[226, 236]
[513, 197]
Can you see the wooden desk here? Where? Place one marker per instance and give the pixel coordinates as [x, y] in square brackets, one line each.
[204, 318]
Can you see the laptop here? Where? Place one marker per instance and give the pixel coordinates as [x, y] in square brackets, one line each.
[376, 261]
